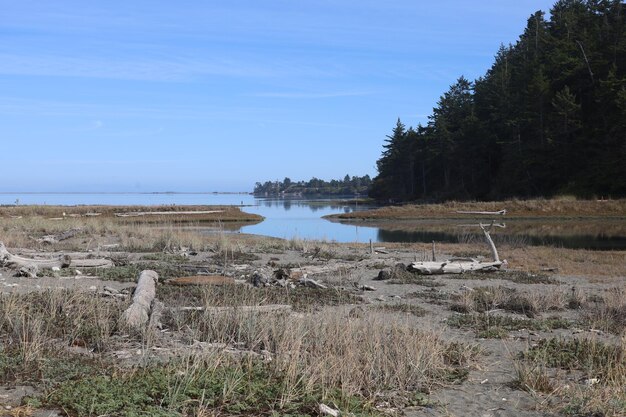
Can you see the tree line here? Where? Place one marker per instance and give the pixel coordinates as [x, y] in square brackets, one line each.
[548, 118]
[315, 186]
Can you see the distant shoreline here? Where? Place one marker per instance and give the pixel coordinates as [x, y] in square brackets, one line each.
[122, 192]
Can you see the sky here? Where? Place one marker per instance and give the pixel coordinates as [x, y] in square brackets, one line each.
[196, 96]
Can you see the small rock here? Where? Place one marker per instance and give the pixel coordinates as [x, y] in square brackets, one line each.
[93, 288]
[56, 269]
[77, 272]
[383, 275]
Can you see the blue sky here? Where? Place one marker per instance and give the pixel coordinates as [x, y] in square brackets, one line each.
[214, 96]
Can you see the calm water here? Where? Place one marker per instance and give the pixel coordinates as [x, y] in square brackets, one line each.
[283, 218]
[303, 219]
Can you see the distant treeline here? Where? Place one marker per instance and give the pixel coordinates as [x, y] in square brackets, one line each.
[347, 186]
[548, 118]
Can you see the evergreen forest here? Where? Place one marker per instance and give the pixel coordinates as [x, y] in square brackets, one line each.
[349, 186]
[548, 118]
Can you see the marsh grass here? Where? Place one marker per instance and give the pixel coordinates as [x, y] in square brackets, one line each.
[490, 326]
[603, 368]
[530, 303]
[322, 356]
[405, 308]
[558, 208]
[607, 312]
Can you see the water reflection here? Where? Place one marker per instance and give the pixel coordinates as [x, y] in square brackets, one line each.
[572, 234]
[302, 218]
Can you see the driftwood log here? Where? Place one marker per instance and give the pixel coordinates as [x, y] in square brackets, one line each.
[165, 213]
[269, 308]
[7, 259]
[50, 239]
[92, 263]
[484, 213]
[460, 265]
[138, 314]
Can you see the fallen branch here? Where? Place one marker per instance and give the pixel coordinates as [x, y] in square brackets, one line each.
[492, 246]
[138, 314]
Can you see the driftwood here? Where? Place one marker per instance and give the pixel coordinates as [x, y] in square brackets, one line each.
[138, 314]
[10, 260]
[326, 410]
[453, 267]
[165, 213]
[13, 261]
[92, 263]
[485, 213]
[460, 265]
[202, 280]
[492, 246]
[308, 282]
[49, 239]
[269, 308]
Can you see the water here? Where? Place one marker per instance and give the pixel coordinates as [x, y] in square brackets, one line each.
[284, 218]
[302, 218]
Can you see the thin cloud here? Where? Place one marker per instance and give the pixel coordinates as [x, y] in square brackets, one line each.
[174, 69]
[322, 95]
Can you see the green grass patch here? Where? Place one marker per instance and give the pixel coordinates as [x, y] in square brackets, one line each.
[496, 326]
[593, 357]
[412, 309]
[182, 388]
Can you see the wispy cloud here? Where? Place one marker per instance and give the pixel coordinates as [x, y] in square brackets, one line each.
[173, 68]
[312, 95]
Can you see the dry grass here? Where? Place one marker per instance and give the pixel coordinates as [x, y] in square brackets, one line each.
[222, 213]
[602, 390]
[561, 208]
[318, 353]
[607, 312]
[529, 303]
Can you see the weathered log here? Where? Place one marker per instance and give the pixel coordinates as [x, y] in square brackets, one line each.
[485, 213]
[269, 308]
[202, 280]
[58, 237]
[165, 213]
[138, 314]
[92, 263]
[308, 282]
[13, 261]
[448, 267]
